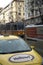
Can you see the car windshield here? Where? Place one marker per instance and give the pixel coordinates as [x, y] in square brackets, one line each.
[13, 45]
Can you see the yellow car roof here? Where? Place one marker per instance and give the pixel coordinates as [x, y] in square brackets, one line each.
[2, 37]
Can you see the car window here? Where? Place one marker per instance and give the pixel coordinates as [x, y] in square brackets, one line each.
[13, 45]
[20, 26]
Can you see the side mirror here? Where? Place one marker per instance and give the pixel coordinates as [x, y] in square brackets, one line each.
[32, 47]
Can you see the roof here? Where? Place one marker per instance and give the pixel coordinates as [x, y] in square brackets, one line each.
[29, 26]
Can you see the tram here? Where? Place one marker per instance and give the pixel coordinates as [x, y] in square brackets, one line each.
[34, 32]
[13, 28]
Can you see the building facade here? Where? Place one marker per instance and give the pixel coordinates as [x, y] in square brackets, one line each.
[13, 12]
[33, 11]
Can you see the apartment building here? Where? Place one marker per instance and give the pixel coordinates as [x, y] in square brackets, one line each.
[13, 11]
[29, 10]
[33, 11]
[18, 10]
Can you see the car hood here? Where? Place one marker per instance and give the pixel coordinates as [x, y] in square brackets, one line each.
[23, 58]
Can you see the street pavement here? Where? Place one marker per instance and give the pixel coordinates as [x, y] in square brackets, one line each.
[38, 46]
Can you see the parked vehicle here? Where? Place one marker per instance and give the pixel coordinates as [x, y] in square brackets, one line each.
[34, 32]
[13, 28]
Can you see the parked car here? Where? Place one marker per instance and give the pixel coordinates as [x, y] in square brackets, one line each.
[15, 51]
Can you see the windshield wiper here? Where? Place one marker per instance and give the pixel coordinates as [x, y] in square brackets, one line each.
[15, 51]
[19, 51]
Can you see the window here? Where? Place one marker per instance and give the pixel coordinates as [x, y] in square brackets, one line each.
[42, 1]
[19, 13]
[15, 27]
[7, 26]
[23, 13]
[20, 26]
[13, 45]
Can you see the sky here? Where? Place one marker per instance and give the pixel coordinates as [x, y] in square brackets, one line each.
[4, 3]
